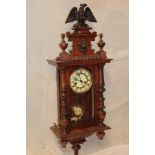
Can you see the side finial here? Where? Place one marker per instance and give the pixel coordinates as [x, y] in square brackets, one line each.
[63, 45]
[101, 53]
[101, 43]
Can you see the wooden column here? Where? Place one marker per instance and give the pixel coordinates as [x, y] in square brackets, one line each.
[63, 96]
[100, 108]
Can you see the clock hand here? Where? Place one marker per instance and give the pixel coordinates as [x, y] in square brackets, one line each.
[79, 77]
[76, 79]
[74, 84]
[78, 74]
[83, 82]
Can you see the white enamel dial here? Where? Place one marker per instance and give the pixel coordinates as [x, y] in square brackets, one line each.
[81, 80]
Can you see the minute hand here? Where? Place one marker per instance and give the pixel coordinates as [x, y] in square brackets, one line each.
[83, 83]
[80, 78]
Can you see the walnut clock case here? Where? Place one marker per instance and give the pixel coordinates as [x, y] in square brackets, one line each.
[80, 83]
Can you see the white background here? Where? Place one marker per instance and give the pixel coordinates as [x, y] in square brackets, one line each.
[12, 65]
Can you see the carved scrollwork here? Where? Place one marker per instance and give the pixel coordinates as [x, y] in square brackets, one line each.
[83, 46]
[102, 115]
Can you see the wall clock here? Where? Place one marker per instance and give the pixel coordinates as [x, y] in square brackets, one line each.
[80, 82]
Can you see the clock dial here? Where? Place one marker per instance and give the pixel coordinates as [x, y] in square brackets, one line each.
[81, 80]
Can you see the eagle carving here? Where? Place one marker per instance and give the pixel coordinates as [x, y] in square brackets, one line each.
[83, 14]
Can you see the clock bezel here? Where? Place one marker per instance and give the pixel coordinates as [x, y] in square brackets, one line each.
[91, 75]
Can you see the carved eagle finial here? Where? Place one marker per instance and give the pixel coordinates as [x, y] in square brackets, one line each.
[83, 14]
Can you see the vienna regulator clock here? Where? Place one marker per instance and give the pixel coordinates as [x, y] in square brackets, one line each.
[80, 83]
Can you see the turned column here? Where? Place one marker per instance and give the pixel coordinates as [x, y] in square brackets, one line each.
[100, 108]
[63, 96]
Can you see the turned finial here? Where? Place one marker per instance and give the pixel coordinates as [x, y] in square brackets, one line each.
[101, 43]
[63, 45]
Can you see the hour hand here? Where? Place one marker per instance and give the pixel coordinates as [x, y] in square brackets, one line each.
[79, 77]
[75, 79]
[74, 84]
